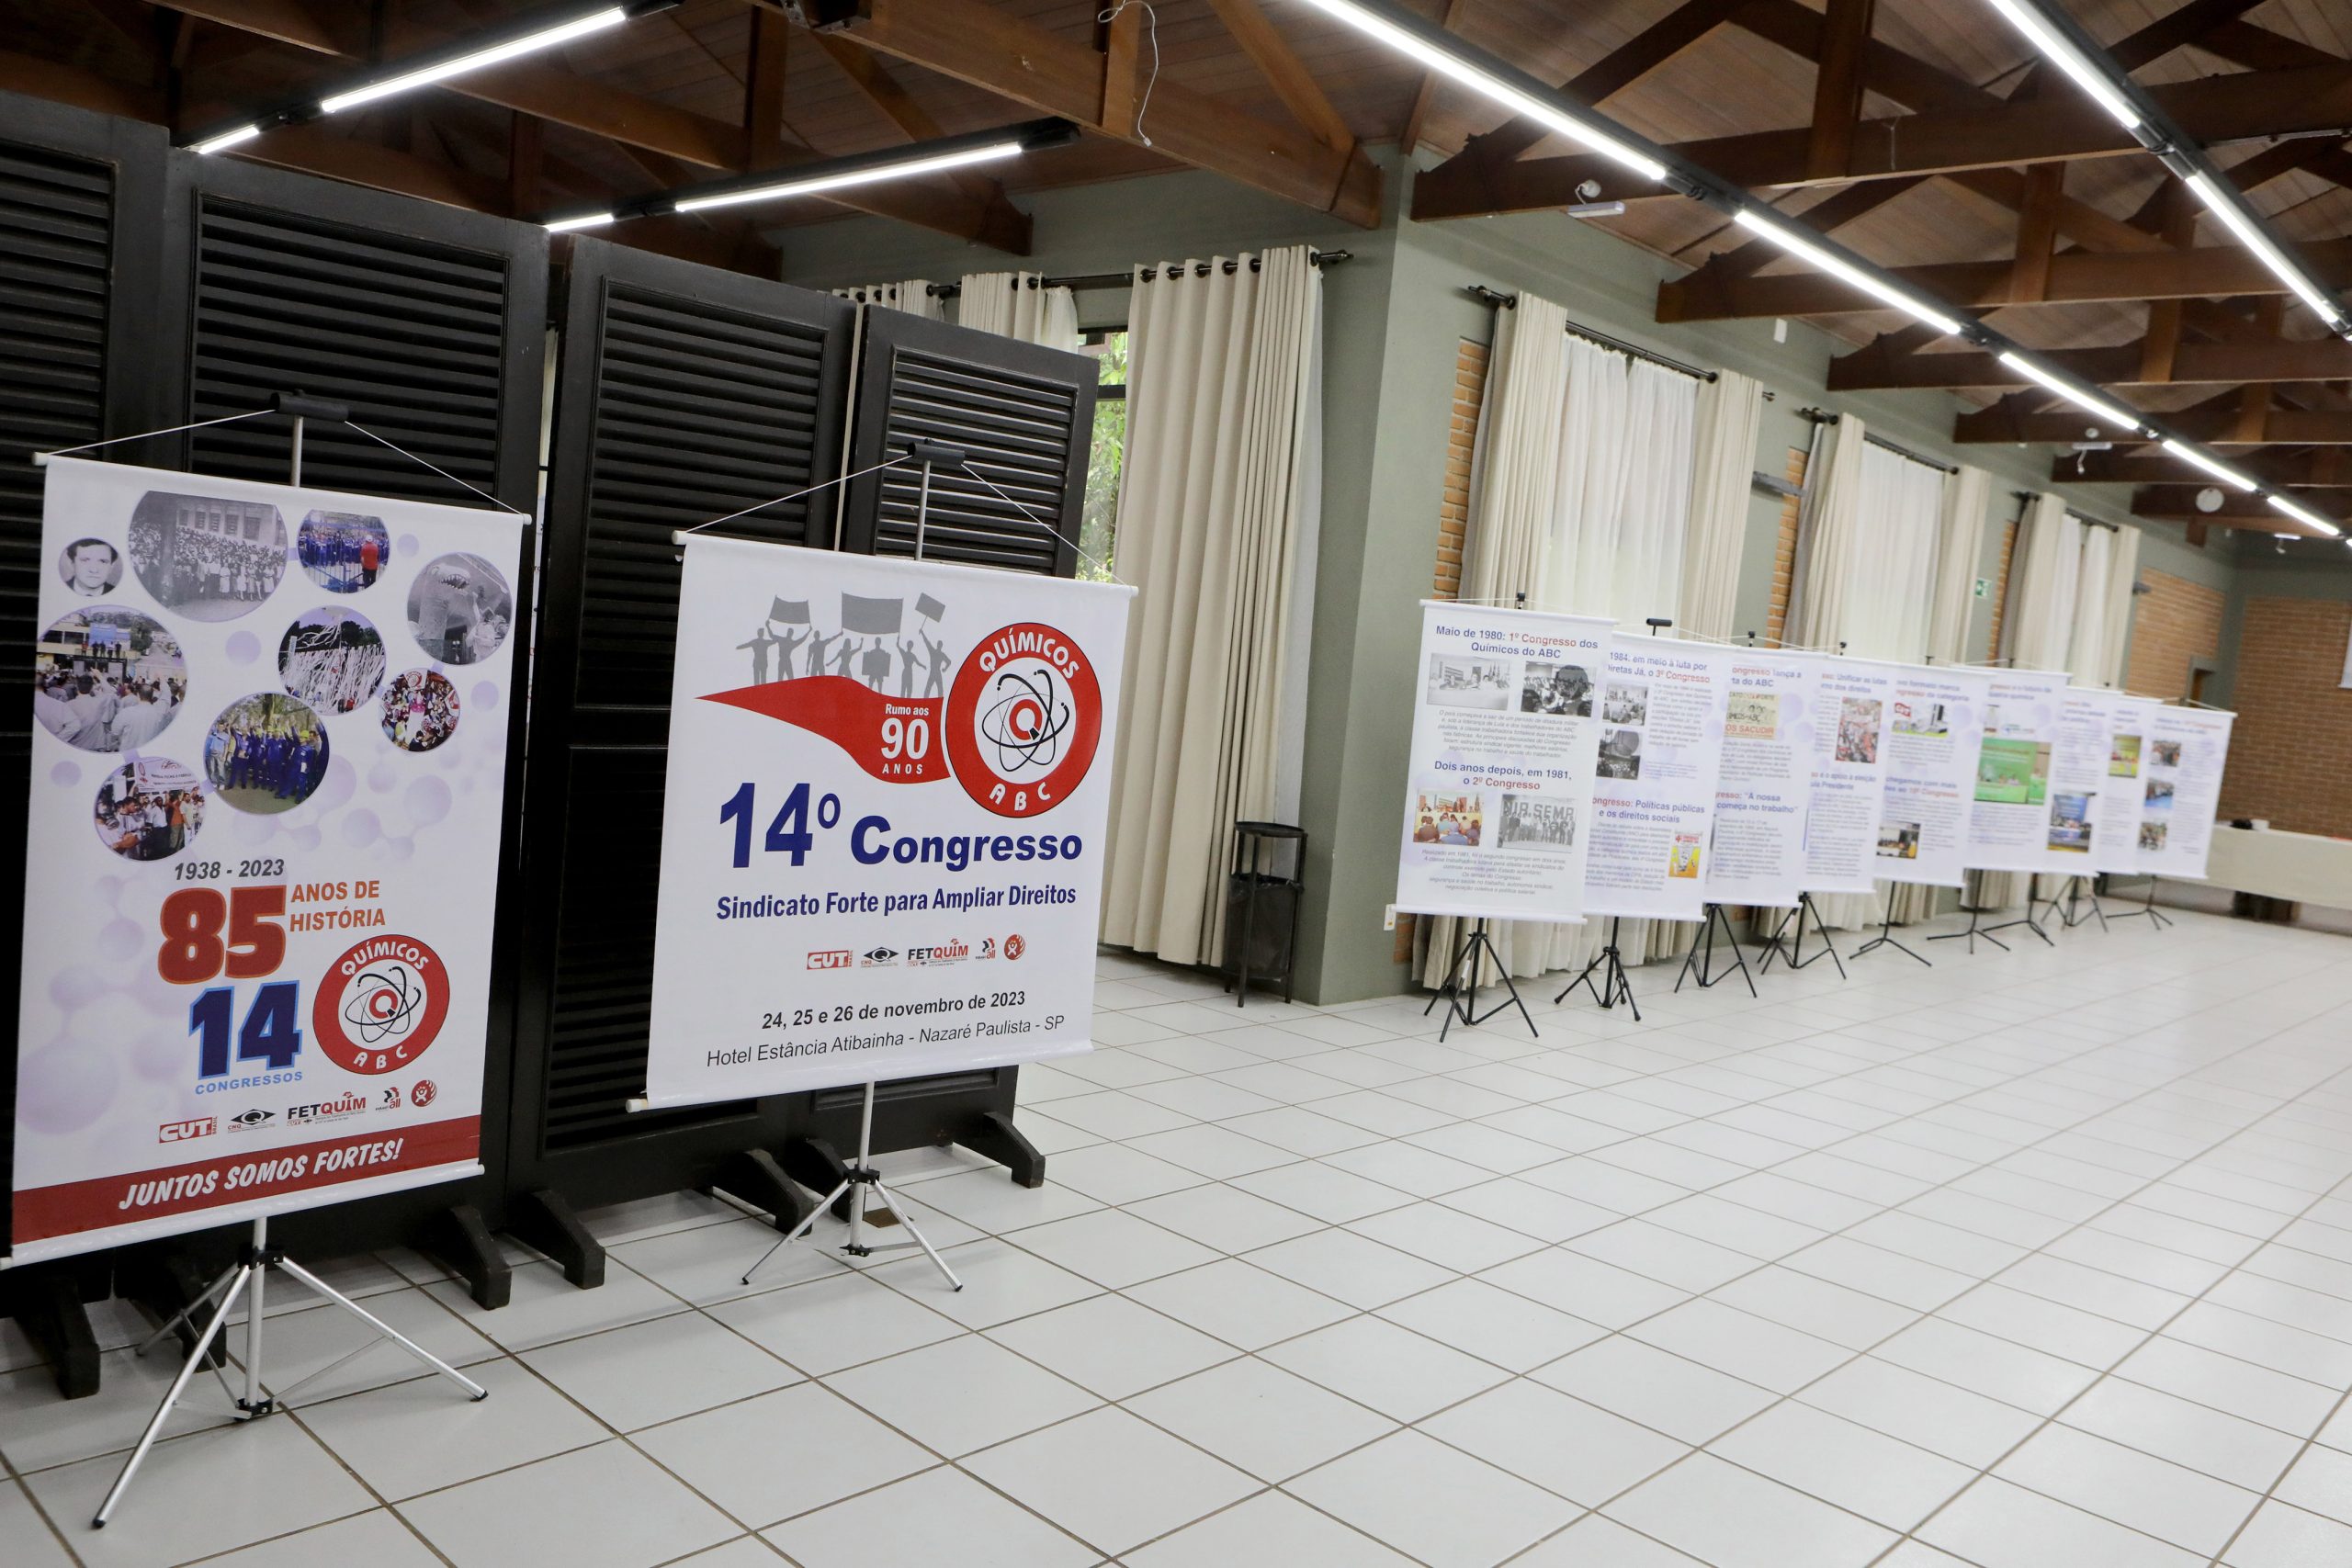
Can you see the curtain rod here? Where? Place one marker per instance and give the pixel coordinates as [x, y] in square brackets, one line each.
[1824, 416]
[2028, 496]
[1121, 279]
[1499, 300]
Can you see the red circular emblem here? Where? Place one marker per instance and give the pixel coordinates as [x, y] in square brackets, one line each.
[379, 1005]
[1023, 719]
[423, 1094]
[1014, 947]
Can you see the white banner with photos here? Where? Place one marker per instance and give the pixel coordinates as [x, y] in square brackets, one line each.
[268, 776]
[2181, 788]
[1849, 775]
[2009, 819]
[1654, 791]
[1498, 799]
[1763, 793]
[881, 853]
[1934, 733]
[2123, 796]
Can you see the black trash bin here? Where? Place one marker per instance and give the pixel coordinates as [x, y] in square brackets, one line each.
[1261, 906]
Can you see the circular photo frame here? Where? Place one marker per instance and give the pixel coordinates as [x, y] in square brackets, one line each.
[107, 679]
[148, 809]
[266, 754]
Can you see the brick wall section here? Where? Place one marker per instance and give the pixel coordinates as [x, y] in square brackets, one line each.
[1784, 551]
[1454, 510]
[2290, 754]
[1453, 518]
[2174, 624]
[2001, 588]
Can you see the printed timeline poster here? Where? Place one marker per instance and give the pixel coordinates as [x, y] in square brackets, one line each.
[1762, 793]
[1934, 734]
[2010, 821]
[882, 838]
[2181, 788]
[1849, 775]
[1654, 793]
[2122, 803]
[1506, 730]
[268, 771]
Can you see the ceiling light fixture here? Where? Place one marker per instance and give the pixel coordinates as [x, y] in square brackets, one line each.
[1863, 278]
[2303, 514]
[227, 140]
[2075, 395]
[580, 220]
[817, 185]
[2062, 53]
[1437, 54]
[477, 59]
[2228, 208]
[2198, 458]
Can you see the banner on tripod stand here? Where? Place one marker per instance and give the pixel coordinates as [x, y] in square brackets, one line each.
[262, 849]
[1506, 730]
[2122, 801]
[1935, 731]
[1662, 705]
[1849, 775]
[883, 831]
[2181, 788]
[2009, 816]
[1764, 788]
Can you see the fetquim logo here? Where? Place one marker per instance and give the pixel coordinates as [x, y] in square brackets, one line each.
[334, 1109]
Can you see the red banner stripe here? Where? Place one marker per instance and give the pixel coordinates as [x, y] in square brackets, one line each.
[851, 717]
[73, 1207]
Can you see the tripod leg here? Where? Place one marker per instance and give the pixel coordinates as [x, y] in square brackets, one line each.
[803, 1228]
[907, 1220]
[188, 1311]
[386, 1329]
[171, 1397]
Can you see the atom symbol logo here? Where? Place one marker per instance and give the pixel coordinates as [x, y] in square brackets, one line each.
[1027, 724]
[382, 1002]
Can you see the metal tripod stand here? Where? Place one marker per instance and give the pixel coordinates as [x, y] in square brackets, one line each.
[246, 1278]
[855, 1183]
[1704, 967]
[1460, 992]
[1793, 954]
[2071, 915]
[1886, 937]
[1613, 986]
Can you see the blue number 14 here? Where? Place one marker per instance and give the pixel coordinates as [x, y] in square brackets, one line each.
[272, 1032]
[787, 834]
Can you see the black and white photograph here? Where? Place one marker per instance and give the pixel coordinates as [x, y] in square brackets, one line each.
[210, 557]
[420, 710]
[1625, 702]
[107, 680]
[1530, 821]
[459, 609]
[1564, 691]
[1468, 683]
[333, 660]
[266, 754]
[148, 809]
[343, 552]
[92, 568]
[1621, 755]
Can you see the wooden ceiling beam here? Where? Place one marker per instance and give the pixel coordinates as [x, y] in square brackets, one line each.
[2177, 29]
[1010, 226]
[1291, 82]
[2124, 365]
[60, 84]
[1837, 87]
[2214, 109]
[1416, 118]
[1054, 74]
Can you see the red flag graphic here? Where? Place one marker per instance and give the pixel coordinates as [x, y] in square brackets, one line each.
[895, 738]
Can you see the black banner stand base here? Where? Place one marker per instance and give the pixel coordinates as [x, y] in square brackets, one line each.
[1460, 992]
[246, 1277]
[2156, 917]
[856, 1181]
[1976, 928]
[2071, 915]
[1793, 955]
[2026, 919]
[1613, 986]
[1886, 937]
[1704, 968]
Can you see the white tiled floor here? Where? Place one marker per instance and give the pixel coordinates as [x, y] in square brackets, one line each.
[2034, 1260]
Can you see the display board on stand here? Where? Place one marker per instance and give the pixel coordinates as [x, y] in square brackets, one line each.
[1766, 784]
[2187, 749]
[1857, 697]
[2008, 820]
[1934, 737]
[1661, 754]
[2115, 849]
[268, 776]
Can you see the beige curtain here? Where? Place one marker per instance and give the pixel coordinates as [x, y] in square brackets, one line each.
[1019, 305]
[1722, 475]
[1515, 471]
[912, 296]
[2037, 632]
[2123, 571]
[1223, 434]
[1967, 494]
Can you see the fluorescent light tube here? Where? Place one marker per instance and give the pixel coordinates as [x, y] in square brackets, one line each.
[2251, 236]
[1796, 245]
[579, 220]
[2081, 400]
[547, 38]
[2220, 471]
[227, 139]
[1454, 68]
[2303, 514]
[2067, 58]
[817, 185]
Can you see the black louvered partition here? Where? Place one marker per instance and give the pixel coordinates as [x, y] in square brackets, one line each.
[1025, 413]
[686, 394]
[81, 200]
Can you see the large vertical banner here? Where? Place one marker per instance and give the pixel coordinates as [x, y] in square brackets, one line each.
[2181, 788]
[1761, 793]
[2122, 801]
[1662, 703]
[2009, 822]
[882, 838]
[1506, 729]
[2078, 779]
[1849, 775]
[267, 787]
[1935, 730]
